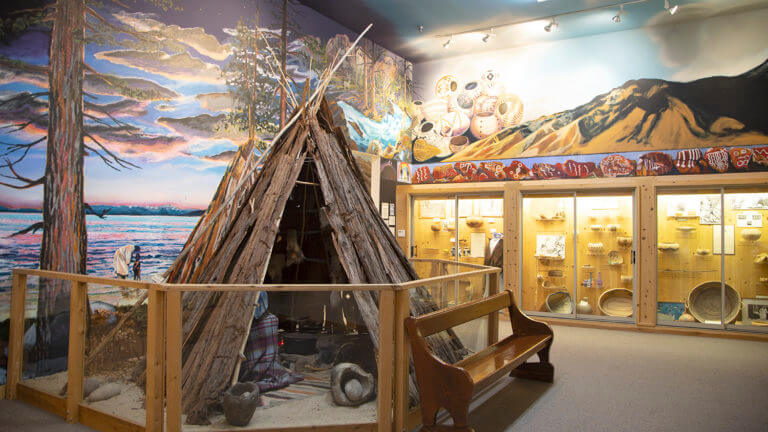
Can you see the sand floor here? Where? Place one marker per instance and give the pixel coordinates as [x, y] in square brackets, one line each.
[312, 411]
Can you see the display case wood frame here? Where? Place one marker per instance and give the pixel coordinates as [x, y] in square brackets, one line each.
[645, 195]
[164, 332]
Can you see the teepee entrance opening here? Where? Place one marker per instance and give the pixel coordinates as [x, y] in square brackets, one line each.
[304, 254]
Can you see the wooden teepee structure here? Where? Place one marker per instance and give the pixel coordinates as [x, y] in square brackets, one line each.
[236, 248]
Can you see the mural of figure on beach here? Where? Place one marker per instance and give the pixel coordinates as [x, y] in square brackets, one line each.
[168, 93]
[141, 108]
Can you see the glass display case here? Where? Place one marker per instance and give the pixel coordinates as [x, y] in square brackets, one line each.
[547, 253]
[747, 269]
[462, 229]
[713, 258]
[578, 255]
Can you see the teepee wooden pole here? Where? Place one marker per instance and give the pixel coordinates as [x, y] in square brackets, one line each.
[282, 131]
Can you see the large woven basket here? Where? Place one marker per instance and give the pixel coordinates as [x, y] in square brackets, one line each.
[704, 302]
[560, 302]
[616, 302]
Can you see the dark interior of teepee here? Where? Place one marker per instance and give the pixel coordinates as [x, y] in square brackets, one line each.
[304, 254]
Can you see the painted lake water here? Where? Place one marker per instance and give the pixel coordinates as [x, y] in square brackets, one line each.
[160, 237]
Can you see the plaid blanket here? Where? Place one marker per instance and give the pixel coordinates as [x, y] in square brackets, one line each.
[261, 360]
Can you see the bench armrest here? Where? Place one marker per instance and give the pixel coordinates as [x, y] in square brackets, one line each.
[522, 324]
[439, 382]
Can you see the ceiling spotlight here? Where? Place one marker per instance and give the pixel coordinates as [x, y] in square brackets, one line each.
[552, 26]
[420, 28]
[448, 42]
[488, 36]
[617, 18]
[670, 9]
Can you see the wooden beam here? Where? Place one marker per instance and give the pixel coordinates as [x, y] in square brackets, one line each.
[16, 335]
[402, 362]
[403, 220]
[155, 360]
[645, 296]
[444, 261]
[45, 401]
[173, 361]
[105, 422]
[275, 288]
[76, 356]
[386, 359]
[447, 278]
[512, 220]
[76, 277]
[493, 318]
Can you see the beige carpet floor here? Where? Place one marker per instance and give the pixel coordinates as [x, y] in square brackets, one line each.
[607, 380]
[604, 381]
[17, 416]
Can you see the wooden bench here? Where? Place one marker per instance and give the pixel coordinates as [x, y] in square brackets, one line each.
[451, 386]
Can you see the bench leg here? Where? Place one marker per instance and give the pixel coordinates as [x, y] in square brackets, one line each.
[428, 413]
[458, 413]
[541, 371]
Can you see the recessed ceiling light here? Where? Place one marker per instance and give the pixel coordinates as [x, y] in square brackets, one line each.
[670, 9]
[420, 28]
[488, 36]
[617, 18]
[552, 26]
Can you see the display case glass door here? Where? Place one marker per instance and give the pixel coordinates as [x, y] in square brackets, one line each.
[689, 260]
[434, 228]
[746, 271]
[578, 254]
[458, 229]
[548, 253]
[605, 255]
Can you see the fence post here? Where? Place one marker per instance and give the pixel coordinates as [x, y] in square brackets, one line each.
[386, 358]
[402, 311]
[155, 359]
[78, 294]
[173, 361]
[493, 318]
[16, 335]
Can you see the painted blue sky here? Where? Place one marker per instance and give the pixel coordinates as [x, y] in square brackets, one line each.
[175, 138]
[556, 76]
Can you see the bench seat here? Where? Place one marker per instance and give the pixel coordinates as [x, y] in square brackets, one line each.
[487, 366]
[451, 386]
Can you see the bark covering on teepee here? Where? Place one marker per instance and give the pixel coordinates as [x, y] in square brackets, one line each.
[236, 248]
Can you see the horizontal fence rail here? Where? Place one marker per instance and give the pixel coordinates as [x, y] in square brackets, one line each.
[163, 395]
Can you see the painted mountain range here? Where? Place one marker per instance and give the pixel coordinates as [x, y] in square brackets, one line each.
[643, 115]
[121, 210]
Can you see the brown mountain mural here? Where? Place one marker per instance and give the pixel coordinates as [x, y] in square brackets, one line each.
[643, 115]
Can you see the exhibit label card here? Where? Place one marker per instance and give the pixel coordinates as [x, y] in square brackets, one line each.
[730, 241]
[749, 219]
[477, 245]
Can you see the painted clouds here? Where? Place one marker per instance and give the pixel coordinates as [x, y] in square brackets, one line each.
[194, 37]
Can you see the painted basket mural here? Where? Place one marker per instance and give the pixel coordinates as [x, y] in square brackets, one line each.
[473, 132]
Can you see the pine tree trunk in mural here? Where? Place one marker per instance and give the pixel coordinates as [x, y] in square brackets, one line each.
[365, 75]
[283, 55]
[64, 237]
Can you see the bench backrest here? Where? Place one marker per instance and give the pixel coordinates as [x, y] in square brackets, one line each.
[434, 322]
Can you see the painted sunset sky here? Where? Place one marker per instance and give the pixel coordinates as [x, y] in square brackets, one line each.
[172, 134]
